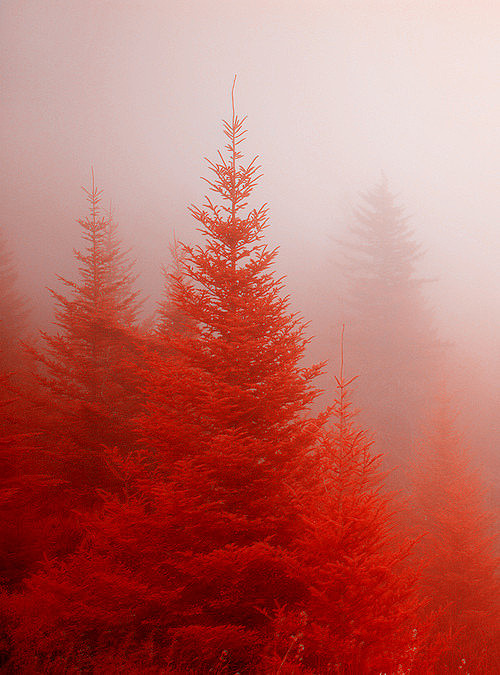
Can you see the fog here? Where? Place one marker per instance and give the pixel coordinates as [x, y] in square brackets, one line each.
[335, 94]
[173, 497]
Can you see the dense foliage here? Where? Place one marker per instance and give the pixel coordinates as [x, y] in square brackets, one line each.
[173, 505]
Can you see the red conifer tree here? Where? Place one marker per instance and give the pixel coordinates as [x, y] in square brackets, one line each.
[362, 613]
[243, 346]
[171, 319]
[225, 417]
[90, 396]
[28, 494]
[80, 357]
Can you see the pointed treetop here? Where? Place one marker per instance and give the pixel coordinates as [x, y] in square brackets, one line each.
[232, 94]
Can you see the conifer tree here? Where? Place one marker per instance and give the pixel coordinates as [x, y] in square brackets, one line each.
[79, 360]
[84, 372]
[362, 612]
[226, 415]
[461, 574]
[394, 348]
[243, 346]
[28, 494]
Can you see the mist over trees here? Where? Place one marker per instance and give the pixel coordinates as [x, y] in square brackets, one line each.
[459, 548]
[392, 338]
[175, 503]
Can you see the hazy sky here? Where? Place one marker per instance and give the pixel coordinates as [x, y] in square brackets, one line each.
[335, 92]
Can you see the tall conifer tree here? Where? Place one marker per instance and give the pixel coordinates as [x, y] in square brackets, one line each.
[243, 345]
[29, 496]
[83, 366]
[226, 415]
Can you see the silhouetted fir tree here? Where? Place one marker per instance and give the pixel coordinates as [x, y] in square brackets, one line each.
[26, 490]
[90, 395]
[186, 571]
[124, 302]
[54, 464]
[13, 312]
[462, 574]
[394, 347]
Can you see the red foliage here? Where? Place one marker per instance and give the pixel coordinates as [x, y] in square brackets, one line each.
[237, 367]
[362, 611]
[90, 395]
[195, 556]
[181, 510]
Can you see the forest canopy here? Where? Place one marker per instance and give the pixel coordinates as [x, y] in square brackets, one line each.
[175, 495]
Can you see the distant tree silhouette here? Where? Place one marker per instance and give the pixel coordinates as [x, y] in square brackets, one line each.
[462, 575]
[52, 458]
[13, 312]
[391, 336]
